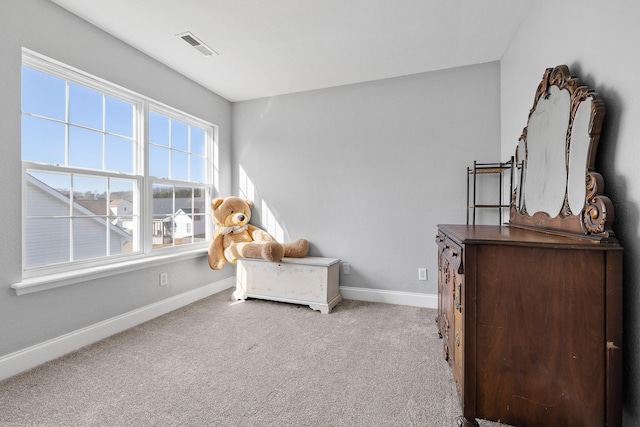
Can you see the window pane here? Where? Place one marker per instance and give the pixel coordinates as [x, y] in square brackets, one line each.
[43, 94]
[47, 241]
[179, 165]
[158, 129]
[159, 162]
[198, 141]
[85, 148]
[123, 213]
[119, 154]
[43, 141]
[183, 219]
[123, 189]
[85, 107]
[199, 218]
[184, 226]
[89, 196]
[119, 241]
[162, 199]
[199, 199]
[129, 225]
[197, 169]
[89, 238]
[179, 136]
[119, 117]
[184, 199]
[48, 194]
[162, 215]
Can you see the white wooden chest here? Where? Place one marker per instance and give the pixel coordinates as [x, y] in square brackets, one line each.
[311, 281]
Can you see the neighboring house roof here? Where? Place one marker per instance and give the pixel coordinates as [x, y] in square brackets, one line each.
[165, 206]
[178, 213]
[190, 211]
[118, 202]
[98, 207]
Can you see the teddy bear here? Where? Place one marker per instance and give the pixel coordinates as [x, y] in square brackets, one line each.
[235, 238]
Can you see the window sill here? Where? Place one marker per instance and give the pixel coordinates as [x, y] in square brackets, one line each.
[42, 283]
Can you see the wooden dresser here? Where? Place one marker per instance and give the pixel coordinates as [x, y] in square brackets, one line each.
[531, 324]
[531, 312]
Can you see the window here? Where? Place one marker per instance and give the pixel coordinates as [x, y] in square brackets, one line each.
[177, 169]
[107, 174]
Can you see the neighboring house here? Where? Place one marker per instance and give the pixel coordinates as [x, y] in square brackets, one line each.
[185, 223]
[121, 207]
[56, 233]
[122, 214]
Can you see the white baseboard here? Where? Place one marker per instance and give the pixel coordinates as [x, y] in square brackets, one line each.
[31, 357]
[391, 297]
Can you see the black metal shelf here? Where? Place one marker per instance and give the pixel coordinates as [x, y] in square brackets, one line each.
[486, 169]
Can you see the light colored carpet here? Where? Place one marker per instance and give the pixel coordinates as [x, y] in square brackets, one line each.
[253, 363]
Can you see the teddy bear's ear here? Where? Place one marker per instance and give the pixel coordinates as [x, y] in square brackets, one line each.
[250, 203]
[217, 202]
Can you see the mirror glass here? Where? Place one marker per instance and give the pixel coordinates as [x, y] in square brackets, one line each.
[521, 155]
[578, 157]
[546, 170]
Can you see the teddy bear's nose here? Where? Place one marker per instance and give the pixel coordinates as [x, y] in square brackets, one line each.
[240, 217]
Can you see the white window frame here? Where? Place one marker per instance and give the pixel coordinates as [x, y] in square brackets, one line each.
[211, 172]
[46, 277]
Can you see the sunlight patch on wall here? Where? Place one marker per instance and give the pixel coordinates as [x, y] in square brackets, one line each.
[270, 223]
[216, 162]
[268, 219]
[245, 186]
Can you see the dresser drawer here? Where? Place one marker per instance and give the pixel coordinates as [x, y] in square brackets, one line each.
[453, 252]
[451, 282]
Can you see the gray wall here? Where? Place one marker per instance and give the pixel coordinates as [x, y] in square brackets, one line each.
[48, 29]
[366, 171]
[599, 44]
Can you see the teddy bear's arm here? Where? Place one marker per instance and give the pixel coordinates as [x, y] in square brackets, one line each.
[216, 251]
[259, 235]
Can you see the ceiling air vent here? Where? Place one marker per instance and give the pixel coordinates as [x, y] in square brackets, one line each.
[197, 43]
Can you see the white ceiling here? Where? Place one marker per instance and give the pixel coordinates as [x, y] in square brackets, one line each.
[273, 47]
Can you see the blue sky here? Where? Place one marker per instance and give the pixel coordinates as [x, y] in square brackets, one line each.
[101, 134]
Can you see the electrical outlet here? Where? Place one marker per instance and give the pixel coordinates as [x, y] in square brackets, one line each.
[422, 274]
[164, 279]
[346, 268]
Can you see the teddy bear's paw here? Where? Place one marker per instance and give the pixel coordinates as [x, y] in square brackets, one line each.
[217, 264]
[297, 249]
[272, 251]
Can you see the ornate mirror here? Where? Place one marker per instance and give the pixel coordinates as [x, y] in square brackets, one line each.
[556, 187]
